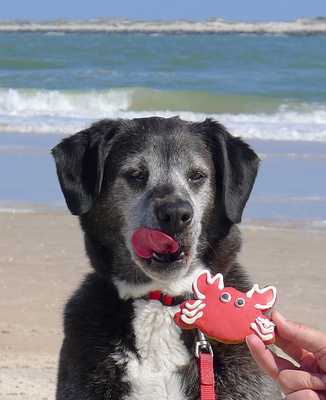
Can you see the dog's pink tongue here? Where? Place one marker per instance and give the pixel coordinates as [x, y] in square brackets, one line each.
[145, 241]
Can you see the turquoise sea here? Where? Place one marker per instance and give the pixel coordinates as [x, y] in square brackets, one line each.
[268, 88]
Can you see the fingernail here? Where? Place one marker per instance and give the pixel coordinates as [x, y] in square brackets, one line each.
[248, 340]
[251, 339]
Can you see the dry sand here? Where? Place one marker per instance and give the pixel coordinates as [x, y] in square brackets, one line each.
[42, 260]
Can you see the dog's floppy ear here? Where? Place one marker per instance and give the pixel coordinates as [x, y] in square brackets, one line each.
[80, 163]
[238, 166]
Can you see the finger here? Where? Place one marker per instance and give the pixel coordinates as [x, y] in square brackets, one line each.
[310, 364]
[302, 336]
[266, 360]
[306, 395]
[292, 349]
[293, 381]
[305, 358]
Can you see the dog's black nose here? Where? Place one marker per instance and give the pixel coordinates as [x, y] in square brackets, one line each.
[174, 216]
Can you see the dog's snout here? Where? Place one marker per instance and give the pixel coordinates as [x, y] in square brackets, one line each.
[174, 216]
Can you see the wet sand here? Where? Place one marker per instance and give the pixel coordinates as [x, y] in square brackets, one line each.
[42, 261]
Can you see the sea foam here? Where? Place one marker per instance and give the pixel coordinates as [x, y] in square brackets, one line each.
[64, 112]
[214, 25]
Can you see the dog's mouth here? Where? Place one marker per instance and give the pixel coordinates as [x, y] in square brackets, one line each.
[167, 258]
[154, 246]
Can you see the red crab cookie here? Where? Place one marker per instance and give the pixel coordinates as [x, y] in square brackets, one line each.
[224, 313]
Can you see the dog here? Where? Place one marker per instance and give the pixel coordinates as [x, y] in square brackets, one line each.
[190, 180]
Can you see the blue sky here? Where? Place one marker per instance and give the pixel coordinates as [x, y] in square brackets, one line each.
[160, 9]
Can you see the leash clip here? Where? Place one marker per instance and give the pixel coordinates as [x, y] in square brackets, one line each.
[202, 345]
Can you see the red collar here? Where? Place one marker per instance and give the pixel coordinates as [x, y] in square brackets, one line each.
[165, 299]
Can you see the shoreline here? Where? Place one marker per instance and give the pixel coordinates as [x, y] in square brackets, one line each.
[17, 208]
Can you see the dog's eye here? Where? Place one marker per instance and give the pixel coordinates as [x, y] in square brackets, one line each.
[225, 297]
[197, 176]
[139, 176]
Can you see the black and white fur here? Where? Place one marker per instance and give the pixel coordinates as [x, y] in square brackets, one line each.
[119, 175]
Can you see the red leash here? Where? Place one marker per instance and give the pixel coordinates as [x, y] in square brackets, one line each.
[204, 353]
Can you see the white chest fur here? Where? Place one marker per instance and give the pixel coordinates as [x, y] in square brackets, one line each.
[154, 375]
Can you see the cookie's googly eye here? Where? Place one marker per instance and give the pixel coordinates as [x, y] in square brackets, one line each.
[240, 302]
[225, 297]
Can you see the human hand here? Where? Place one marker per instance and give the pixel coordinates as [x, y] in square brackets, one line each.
[306, 346]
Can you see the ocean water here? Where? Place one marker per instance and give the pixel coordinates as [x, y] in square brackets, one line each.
[268, 88]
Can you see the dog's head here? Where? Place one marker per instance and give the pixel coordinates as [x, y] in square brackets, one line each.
[169, 175]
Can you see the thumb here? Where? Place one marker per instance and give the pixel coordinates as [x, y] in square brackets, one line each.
[302, 336]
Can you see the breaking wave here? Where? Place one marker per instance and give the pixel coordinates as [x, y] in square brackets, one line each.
[64, 112]
[213, 25]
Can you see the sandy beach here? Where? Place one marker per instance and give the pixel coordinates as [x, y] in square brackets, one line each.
[42, 260]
